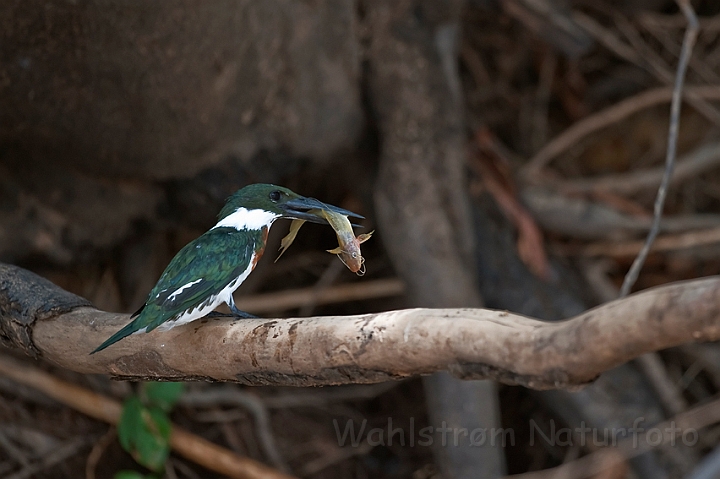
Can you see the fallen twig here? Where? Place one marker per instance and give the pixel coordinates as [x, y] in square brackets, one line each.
[251, 403]
[312, 296]
[195, 448]
[654, 369]
[583, 218]
[628, 447]
[607, 117]
[13, 451]
[641, 55]
[673, 242]
[689, 166]
[499, 184]
[687, 47]
[319, 397]
[97, 451]
[57, 456]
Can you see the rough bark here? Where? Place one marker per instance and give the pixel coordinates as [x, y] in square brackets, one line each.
[471, 343]
[620, 395]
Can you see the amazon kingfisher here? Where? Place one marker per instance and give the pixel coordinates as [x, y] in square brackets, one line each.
[206, 272]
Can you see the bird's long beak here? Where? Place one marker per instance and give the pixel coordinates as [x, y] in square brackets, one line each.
[308, 209]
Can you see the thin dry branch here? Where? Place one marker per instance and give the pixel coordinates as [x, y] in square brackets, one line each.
[689, 166]
[670, 432]
[639, 53]
[296, 298]
[674, 242]
[607, 117]
[471, 343]
[687, 48]
[194, 448]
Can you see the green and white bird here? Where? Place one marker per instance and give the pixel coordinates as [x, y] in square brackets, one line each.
[206, 272]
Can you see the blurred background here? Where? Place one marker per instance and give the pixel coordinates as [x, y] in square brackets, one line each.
[506, 152]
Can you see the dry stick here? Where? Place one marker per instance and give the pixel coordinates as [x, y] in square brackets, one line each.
[195, 448]
[57, 456]
[606, 117]
[669, 22]
[314, 466]
[538, 136]
[629, 447]
[690, 165]
[227, 395]
[13, 451]
[530, 239]
[652, 363]
[97, 452]
[184, 468]
[670, 396]
[698, 65]
[674, 242]
[284, 300]
[258, 410]
[649, 58]
[652, 63]
[688, 42]
[708, 467]
[326, 279]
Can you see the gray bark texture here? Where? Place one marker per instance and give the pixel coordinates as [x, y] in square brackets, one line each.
[471, 343]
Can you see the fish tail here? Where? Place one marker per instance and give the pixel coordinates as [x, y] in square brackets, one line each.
[124, 332]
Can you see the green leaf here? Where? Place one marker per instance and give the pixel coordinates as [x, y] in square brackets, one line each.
[130, 422]
[162, 395]
[144, 432]
[131, 475]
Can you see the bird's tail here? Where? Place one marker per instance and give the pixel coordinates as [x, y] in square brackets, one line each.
[124, 332]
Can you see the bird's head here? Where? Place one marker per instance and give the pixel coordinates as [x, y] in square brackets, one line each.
[280, 202]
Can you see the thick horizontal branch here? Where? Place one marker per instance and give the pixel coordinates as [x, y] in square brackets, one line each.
[471, 343]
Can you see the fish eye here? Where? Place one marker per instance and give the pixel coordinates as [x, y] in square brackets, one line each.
[275, 196]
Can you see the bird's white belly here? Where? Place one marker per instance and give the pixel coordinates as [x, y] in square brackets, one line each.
[224, 296]
[193, 313]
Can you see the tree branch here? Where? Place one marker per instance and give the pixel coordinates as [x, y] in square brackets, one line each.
[471, 343]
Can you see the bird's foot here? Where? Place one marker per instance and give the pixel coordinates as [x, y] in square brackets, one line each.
[239, 313]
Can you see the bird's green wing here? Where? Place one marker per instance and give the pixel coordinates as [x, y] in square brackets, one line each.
[200, 270]
[203, 268]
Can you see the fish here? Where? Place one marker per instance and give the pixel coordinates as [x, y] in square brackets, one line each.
[348, 249]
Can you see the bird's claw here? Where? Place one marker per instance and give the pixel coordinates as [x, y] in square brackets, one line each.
[238, 313]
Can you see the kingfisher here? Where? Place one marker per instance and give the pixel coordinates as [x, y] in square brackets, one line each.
[206, 272]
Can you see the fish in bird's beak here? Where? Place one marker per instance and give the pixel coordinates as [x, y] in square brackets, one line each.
[348, 249]
[349, 245]
[309, 209]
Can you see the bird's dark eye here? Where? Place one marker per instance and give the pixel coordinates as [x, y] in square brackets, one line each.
[275, 196]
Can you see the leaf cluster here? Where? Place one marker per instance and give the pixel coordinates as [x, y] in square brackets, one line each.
[144, 428]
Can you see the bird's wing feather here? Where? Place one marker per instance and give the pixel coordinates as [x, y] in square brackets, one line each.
[201, 269]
